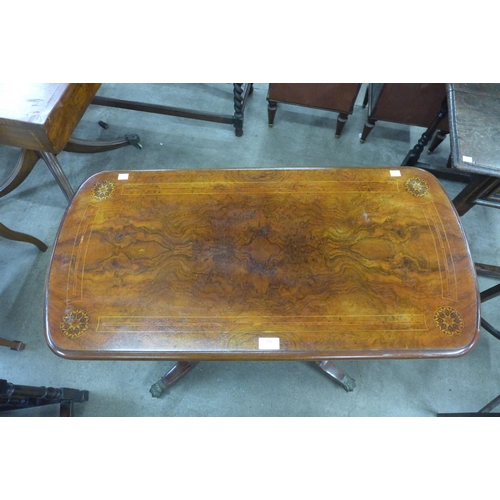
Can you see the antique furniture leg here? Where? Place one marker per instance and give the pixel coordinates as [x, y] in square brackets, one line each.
[414, 154]
[272, 106]
[178, 371]
[370, 123]
[483, 412]
[341, 119]
[80, 146]
[16, 236]
[15, 345]
[58, 173]
[14, 397]
[339, 377]
[489, 272]
[486, 295]
[479, 186]
[366, 98]
[23, 168]
[438, 139]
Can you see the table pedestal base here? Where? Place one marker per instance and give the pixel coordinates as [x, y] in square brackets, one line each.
[339, 377]
[181, 368]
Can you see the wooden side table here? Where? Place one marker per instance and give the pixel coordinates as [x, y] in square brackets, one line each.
[39, 118]
[289, 264]
[337, 97]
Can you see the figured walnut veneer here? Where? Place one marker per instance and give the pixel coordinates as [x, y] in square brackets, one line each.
[335, 263]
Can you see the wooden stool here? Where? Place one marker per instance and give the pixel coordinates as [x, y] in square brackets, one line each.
[338, 97]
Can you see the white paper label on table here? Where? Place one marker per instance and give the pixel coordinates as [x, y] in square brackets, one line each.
[467, 159]
[269, 343]
[395, 173]
[122, 177]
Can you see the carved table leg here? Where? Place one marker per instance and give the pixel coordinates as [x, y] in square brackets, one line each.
[272, 106]
[16, 236]
[24, 166]
[58, 173]
[15, 345]
[337, 374]
[79, 146]
[341, 119]
[178, 371]
[370, 123]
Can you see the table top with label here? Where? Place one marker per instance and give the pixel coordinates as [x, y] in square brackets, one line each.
[323, 263]
[474, 109]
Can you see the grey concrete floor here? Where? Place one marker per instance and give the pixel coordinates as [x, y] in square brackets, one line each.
[301, 137]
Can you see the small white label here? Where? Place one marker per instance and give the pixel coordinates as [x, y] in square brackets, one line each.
[269, 343]
[122, 177]
[467, 159]
[395, 173]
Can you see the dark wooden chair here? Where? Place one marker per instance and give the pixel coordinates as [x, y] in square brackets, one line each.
[413, 104]
[337, 97]
[16, 397]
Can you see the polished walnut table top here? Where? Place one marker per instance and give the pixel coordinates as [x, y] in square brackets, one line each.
[261, 264]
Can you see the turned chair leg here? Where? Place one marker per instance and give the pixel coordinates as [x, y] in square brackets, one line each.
[272, 106]
[341, 120]
[14, 397]
[370, 123]
[438, 139]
